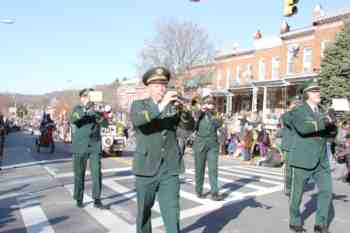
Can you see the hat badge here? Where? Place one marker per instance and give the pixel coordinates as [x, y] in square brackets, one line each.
[159, 71]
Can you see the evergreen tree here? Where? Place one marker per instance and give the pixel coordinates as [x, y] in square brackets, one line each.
[335, 67]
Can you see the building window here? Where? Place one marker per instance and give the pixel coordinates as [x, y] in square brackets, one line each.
[293, 51]
[275, 68]
[248, 74]
[218, 78]
[228, 77]
[324, 45]
[307, 60]
[238, 74]
[290, 62]
[261, 70]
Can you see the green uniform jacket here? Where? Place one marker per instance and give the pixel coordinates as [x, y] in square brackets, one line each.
[288, 132]
[309, 144]
[207, 126]
[86, 136]
[155, 138]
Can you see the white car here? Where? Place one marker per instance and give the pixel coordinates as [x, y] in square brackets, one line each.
[112, 141]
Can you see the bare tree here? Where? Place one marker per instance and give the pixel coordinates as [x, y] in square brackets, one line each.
[177, 46]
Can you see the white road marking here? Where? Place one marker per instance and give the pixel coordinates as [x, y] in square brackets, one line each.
[9, 195]
[106, 218]
[26, 180]
[41, 162]
[228, 181]
[71, 174]
[256, 173]
[257, 169]
[125, 191]
[252, 177]
[33, 216]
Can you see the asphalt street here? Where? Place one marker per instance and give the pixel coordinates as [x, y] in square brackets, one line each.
[36, 196]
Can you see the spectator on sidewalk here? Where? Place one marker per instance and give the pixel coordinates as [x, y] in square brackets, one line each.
[342, 132]
[222, 137]
[263, 141]
[232, 144]
[247, 144]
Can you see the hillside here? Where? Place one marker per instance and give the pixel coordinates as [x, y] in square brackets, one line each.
[68, 97]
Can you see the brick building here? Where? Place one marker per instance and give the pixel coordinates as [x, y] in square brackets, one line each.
[261, 79]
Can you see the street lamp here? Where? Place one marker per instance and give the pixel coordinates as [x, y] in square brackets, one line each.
[7, 21]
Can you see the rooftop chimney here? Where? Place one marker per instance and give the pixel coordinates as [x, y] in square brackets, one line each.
[318, 12]
[284, 27]
[257, 35]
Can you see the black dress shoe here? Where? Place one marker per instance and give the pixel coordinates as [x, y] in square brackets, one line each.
[321, 229]
[200, 195]
[80, 204]
[98, 204]
[297, 228]
[217, 197]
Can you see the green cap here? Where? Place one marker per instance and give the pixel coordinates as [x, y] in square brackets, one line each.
[156, 75]
[208, 100]
[311, 85]
[85, 92]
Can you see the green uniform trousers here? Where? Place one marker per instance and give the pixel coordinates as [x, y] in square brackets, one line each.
[287, 173]
[79, 164]
[167, 185]
[323, 180]
[200, 158]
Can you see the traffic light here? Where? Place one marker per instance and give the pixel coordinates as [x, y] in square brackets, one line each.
[290, 8]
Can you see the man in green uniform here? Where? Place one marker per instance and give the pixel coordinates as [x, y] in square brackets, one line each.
[86, 144]
[287, 140]
[157, 158]
[206, 147]
[308, 158]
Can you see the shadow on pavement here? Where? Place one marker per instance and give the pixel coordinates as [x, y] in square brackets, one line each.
[215, 221]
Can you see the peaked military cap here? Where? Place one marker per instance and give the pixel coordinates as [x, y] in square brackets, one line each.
[208, 100]
[156, 75]
[311, 85]
[85, 92]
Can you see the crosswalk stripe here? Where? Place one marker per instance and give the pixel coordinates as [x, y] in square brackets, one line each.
[253, 176]
[194, 198]
[230, 182]
[33, 216]
[70, 174]
[259, 170]
[106, 218]
[119, 178]
[278, 169]
[200, 209]
[9, 195]
[126, 193]
[213, 205]
[41, 162]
